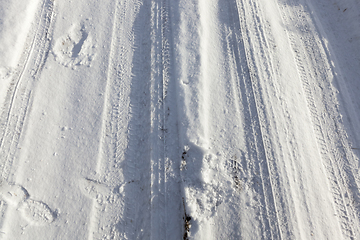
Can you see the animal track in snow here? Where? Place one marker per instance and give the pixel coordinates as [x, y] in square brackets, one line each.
[75, 48]
[35, 212]
[234, 167]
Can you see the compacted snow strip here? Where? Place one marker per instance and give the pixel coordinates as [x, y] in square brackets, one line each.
[139, 156]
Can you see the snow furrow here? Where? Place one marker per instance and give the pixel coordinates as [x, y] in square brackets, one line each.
[138, 113]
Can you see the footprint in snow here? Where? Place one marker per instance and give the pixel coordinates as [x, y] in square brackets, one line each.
[94, 189]
[199, 169]
[35, 212]
[103, 194]
[75, 48]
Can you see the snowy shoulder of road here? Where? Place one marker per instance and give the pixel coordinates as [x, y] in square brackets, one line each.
[186, 119]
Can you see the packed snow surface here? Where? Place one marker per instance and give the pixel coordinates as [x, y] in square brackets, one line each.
[179, 119]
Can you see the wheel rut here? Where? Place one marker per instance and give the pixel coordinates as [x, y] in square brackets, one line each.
[166, 198]
[123, 166]
[138, 150]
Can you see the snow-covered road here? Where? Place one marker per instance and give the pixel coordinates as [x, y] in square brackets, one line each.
[179, 119]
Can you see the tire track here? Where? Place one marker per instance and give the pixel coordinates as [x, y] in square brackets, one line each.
[136, 163]
[20, 90]
[345, 158]
[267, 82]
[268, 72]
[105, 147]
[331, 138]
[262, 154]
[18, 101]
[165, 190]
[159, 80]
[123, 162]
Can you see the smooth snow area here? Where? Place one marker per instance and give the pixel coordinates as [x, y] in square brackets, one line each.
[179, 119]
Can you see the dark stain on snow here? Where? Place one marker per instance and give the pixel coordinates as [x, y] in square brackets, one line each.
[187, 224]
